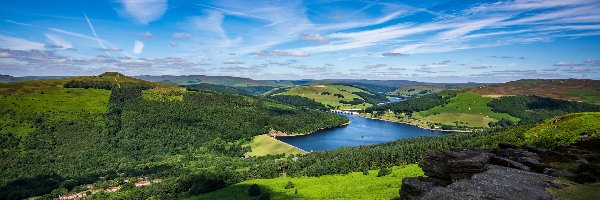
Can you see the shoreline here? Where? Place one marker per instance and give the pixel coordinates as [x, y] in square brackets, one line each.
[426, 128]
[275, 135]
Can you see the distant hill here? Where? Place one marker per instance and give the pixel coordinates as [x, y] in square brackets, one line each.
[568, 89]
[336, 96]
[424, 89]
[9, 79]
[215, 80]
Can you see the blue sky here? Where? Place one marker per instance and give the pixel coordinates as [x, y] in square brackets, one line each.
[433, 41]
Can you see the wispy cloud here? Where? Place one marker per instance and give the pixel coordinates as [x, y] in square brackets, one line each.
[144, 11]
[59, 41]
[94, 33]
[7, 42]
[281, 53]
[146, 35]
[566, 64]
[19, 23]
[233, 62]
[314, 37]
[182, 35]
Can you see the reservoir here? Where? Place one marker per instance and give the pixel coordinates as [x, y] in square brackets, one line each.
[360, 131]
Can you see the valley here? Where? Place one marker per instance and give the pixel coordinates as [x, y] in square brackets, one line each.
[205, 141]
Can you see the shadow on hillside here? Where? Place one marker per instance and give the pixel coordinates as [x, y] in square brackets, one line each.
[240, 191]
[27, 187]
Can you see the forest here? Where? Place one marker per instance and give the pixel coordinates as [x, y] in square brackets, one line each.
[414, 104]
[193, 145]
[533, 109]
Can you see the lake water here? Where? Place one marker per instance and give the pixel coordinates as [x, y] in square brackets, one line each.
[394, 99]
[360, 131]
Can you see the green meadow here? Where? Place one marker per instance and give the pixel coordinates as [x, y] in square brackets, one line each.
[465, 109]
[263, 145]
[319, 93]
[355, 185]
[565, 129]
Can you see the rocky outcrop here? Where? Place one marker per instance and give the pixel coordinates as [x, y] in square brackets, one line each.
[455, 164]
[507, 172]
[495, 183]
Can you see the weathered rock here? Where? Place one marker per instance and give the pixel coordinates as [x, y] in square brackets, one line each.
[495, 183]
[504, 145]
[434, 164]
[555, 184]
[557, 173]
[413, 187]
[515, 153]
[528, 161]
[534, 149]
[455, 163]
[466, 167]
[505, 162]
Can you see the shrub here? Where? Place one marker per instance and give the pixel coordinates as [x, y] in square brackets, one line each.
[254, 190]
[383, 172]
[289, 185]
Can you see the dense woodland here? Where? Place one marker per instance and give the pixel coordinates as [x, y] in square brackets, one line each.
[299, 101]
[412, 105]
[194, 145]
[533, 109]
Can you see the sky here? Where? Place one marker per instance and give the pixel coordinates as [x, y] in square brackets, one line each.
[431, 41]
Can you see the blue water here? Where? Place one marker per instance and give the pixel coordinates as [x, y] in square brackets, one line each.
[394, 99]
[360, 131]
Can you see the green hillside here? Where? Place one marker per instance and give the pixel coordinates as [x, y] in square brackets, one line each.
[354, 185]
[424, 89]
[565, 129]
[335, 96]
[55, 139]
[263, 145]
[465, 109]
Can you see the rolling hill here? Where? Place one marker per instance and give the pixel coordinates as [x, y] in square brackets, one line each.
[568, 89]
[335, 96]
[130, 128]
[215, 80]
[424, 89]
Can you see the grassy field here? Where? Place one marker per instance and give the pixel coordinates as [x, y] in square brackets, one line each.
[587, 95]
[348, 186]
[47, 98]
[265, 145]
[315, 92]
[466, 108]
[565, 129]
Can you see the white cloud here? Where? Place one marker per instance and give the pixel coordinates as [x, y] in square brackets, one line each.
[144, 11]
[138, 47]
[314, 37]
[566, 64]
[147, 35]
[19, 44]
[58, 41]
[281, 53]
[182, 35]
